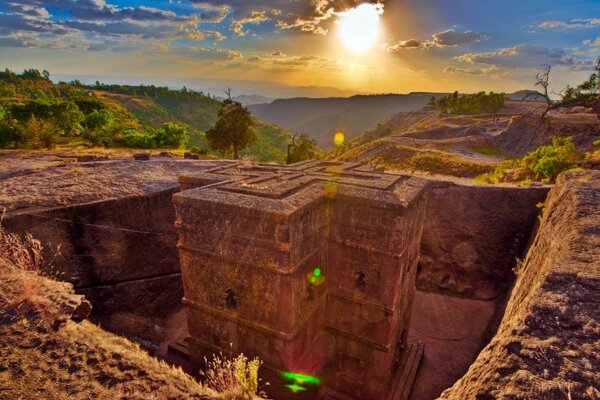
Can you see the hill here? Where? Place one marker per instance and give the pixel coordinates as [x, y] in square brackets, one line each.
[128, 114]
[470, 145]
[321, 118]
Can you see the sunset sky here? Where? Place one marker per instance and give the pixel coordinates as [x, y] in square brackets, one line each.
[420, 45]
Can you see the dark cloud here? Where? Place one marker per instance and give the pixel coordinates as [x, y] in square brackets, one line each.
[304, 15]
[97, 17]
[98, 10]
[451, 37]
[28, 10]
[11, 23]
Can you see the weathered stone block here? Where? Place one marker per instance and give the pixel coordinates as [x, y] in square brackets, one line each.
[310, 267]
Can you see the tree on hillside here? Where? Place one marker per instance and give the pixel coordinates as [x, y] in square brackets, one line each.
[302, 148]
[586, 94]
[233, 130]
[42, 133]
[476, 103]
[542, 79]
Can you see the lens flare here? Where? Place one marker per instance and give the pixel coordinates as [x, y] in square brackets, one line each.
[331, 188]
[300, 381]
[316, 277]
[339, 138]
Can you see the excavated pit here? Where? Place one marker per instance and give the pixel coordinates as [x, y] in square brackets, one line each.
[122, 254]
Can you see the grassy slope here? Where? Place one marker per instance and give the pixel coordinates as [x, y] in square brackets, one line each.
[138, 112]
[199, 116]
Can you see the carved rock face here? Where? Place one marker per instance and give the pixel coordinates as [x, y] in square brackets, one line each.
[311, 267]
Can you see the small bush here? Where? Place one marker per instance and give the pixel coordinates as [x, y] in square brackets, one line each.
[549, 161]
[42, 133]
[136, 139]
[233, 379]
[544, 163]
[171, 135]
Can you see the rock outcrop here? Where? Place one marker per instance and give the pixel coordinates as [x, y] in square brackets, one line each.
[48, 352]
[548, 342]
[473, 236]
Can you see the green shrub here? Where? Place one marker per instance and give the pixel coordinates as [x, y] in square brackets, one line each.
[477, 103]
[11, 134]
[171, 135]
[303, 148]
[98, 119]
[41, 133]
[65, 115]
[544, 163]
[549, 161]
[138, 140]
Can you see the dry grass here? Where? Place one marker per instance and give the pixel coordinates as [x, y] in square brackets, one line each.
[431, 161]
[19, 252]
[233, 379]
[23, 295]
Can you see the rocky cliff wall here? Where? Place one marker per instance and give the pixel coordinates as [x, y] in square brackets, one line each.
[120, 253]
[548, 342]
[473, 236]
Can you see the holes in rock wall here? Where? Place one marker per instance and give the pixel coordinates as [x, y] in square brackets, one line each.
[310, 293]
[360, 282]
[230, 299]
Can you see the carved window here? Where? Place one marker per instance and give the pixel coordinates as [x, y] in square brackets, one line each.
[360, 281]
[230, 299]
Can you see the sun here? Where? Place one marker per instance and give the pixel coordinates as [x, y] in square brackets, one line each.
[359, 27]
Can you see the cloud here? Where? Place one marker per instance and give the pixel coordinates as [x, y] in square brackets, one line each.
[307, 16]
[256, 17]
[116, 25]
[29, 10]
[280, 62]
[192, 32]
[571, 24]
[447, 38]
[488, 71]
[212, 13]
[592, 43]
[207, 53]
[526, 56]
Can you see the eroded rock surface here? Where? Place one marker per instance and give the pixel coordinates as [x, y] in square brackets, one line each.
[548, 344]
[46, 354]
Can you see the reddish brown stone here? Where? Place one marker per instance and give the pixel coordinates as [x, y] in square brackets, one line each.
[250, 239]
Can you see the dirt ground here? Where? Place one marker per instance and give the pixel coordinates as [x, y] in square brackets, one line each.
[453, 331]
[34, 180]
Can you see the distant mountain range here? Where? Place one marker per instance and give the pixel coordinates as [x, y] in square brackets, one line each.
[321, 118]
[248, 100]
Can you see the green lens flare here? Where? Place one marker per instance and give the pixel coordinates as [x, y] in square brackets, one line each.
[313, 280]
[317, 272]
[296, 388]
[299, 378]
